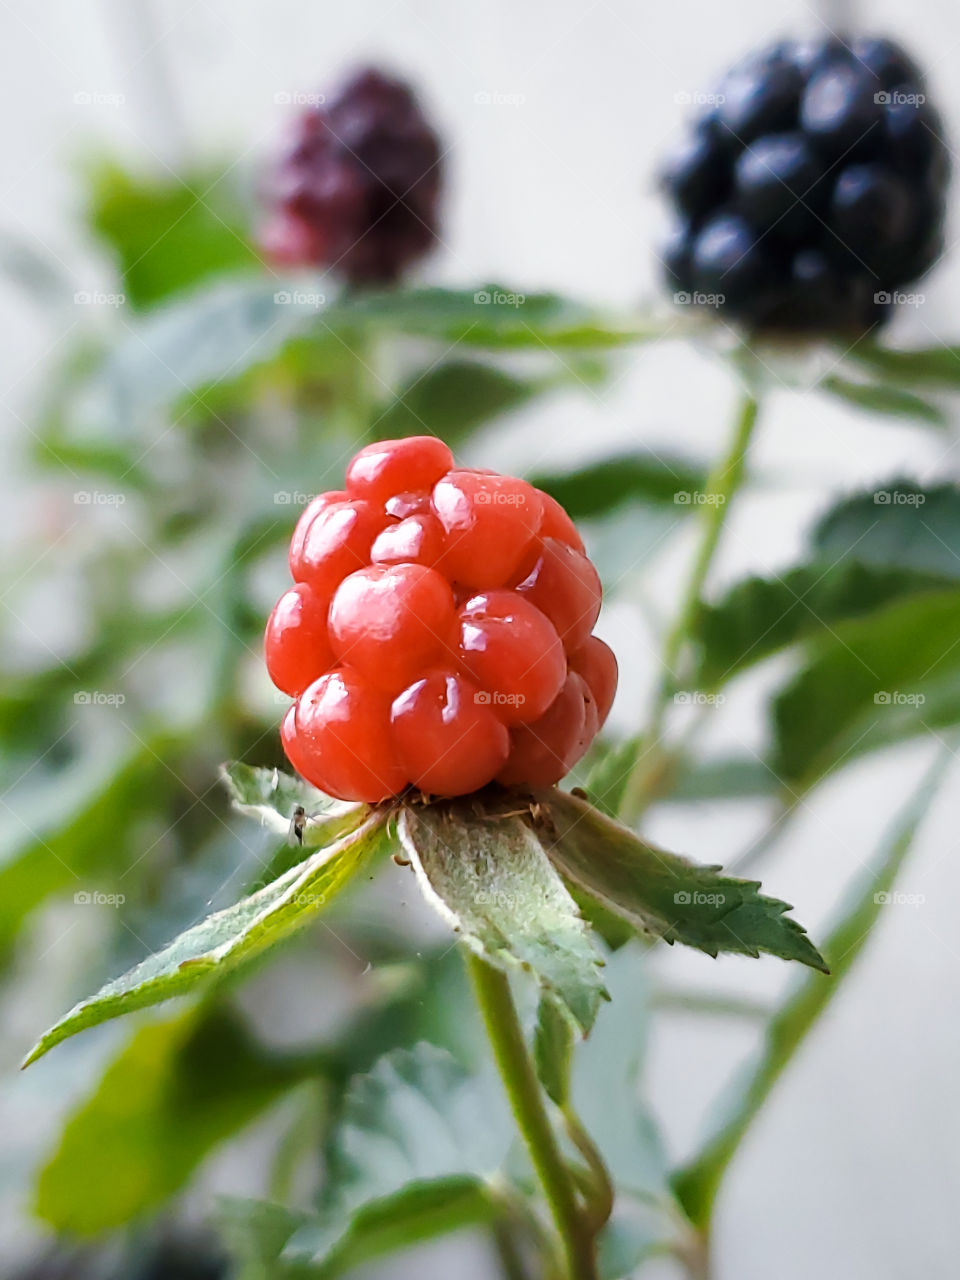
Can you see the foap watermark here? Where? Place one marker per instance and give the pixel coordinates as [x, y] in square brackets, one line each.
[886, 298]
[897, 98]
[698, 698]
[298, 298]
[95, 298]
[98, 98]
[683, 298]
[894, 698]
[497, 698]
[894, 898]
[684, 498]
[684, 98]
[94, 898]
[297, 98]
[697, 898]
[499, 498]
[309, 899]
[497, 298]
[98, 498]
[292, 498]
[898, 498]
[497, 98]
[98, 698]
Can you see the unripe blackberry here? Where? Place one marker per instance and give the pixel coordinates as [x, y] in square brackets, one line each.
[811, 190]
[439, 631]
[357, 186]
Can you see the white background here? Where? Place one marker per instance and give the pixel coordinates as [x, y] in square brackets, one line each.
[852, 1172]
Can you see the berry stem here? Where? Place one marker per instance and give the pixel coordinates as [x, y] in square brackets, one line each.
[492, 990]
[722, 484]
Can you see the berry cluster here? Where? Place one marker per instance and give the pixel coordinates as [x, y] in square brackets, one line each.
[811, 189]
[438, 633]
[358, 185]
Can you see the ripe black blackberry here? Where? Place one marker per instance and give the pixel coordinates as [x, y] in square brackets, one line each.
[358, 185]
[811, 189]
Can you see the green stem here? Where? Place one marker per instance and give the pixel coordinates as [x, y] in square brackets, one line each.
[512, 1057]
[600, 1191]
[722, 485]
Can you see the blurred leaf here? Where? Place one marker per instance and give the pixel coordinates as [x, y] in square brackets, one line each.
[222, 942]
[489, 879]
[761, 616]
[170, 233]
[255, 1233]
[412, 1158]
[607, 778]
[180, 350]
[599, 487]
[178, 1089]
[553, 1042]
[878, 679]
[725, 778]
[215, 335]
[697, 1183]
[922, 367]
[83, 832]
[490, 316]
[902, 525]
[272, 797]
[665, 895]
[450, 400]
[635, 1233]
[606, 1091]
[882, 398]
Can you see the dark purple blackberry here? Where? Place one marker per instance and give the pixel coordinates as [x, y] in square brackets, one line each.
[812, 190]
[357, 187]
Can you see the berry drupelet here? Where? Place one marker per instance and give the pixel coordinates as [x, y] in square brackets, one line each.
[811, 190]
[357, 186]
[438, 633]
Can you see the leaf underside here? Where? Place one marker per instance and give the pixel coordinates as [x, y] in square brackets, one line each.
[488, 876]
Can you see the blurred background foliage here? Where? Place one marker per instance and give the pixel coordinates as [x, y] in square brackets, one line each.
[175, 441]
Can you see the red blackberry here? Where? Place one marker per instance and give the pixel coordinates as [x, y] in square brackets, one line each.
[438, 632]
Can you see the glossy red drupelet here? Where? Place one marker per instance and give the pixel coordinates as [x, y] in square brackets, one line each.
[438, 633]
[358, 184]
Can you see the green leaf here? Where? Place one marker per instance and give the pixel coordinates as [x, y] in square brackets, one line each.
[665, 895]
[879, 679]
[762, 616]
[170, 233]
[597, 488]
[274, 797]
[414, 1155]
[222, 942]
[931, 367]
[450, 400]
[177, 1089]
[883, 398]
[254, 1233]
[901, 525]
[697, 1183]
[488, 877]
